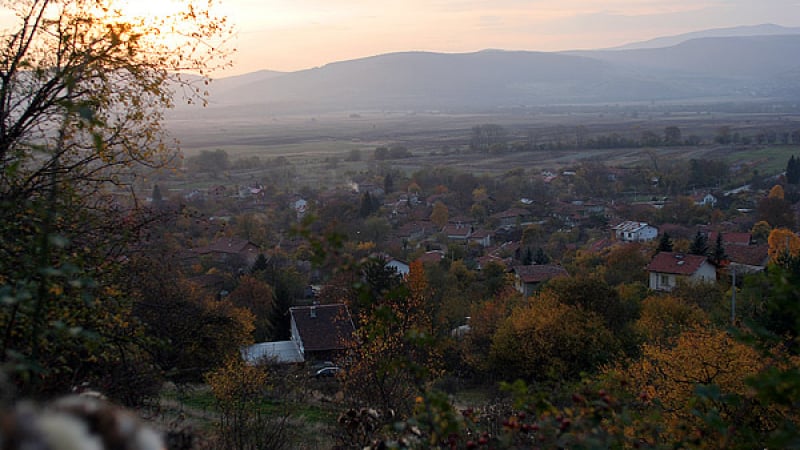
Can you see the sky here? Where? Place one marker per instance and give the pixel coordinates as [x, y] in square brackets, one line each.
[289, 35]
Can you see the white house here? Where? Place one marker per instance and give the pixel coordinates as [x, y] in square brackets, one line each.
[630, 231]
[400, 267]
[667, 268]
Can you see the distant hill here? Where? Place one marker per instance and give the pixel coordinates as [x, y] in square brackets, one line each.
[709, 67]
[767, 29]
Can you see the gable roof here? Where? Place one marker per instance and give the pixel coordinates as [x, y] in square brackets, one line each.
[630, 226]
[730, 238]
[433, 256]
[539, 272]
[750, 255]
[230, 245]
[323, 327]
[676, 263]
[511, 213]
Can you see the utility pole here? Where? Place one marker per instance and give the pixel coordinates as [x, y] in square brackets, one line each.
[733, 296]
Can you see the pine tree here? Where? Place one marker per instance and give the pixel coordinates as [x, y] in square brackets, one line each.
[718, 253]
[366, 205]
[793, 170]
[665, 243]
[540, 257]
[527, 260]
[699, 245]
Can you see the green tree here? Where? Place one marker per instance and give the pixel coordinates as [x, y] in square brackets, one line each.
[672, 135]
[664, 243]
[718, 255]
[793, 171]
[699, 245]
[214, 162]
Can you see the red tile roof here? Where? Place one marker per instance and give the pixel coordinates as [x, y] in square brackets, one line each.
[323, 327]
[539, 273]
[677, 263]
[751, 255]
[730, 238]
[431, 257]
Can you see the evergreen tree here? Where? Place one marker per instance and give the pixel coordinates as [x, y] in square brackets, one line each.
[665, 243]
[718, 253]
[260, 264]
[699, 245]
[388, 183]
[527, 260]
[793, 170]
[366, 205]
[540, 257]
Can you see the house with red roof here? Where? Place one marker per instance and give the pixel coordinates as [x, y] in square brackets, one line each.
[730, 238]
[747, 258]
[527, 279]
[228, 250]
[667, 268]
[321, 331]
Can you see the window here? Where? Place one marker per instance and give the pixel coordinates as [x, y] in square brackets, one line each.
[664, 280]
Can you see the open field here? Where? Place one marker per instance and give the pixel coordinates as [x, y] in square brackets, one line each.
[317, 146]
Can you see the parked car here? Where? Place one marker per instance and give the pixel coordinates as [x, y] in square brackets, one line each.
[327, 372]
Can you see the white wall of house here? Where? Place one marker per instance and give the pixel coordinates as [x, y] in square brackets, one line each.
[662, 281]
[705, 274]
[667, 281]
[296, 338]
[400, 267]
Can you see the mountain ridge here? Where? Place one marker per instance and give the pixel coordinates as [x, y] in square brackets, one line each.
[709, 67]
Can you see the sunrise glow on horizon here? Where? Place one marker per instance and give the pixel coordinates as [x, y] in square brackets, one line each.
[290, 35]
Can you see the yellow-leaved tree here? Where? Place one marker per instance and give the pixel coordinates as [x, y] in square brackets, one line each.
[394, 355]
[783, 242]
[84, 85]
[668, 376]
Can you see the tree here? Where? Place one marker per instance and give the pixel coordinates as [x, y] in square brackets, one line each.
[760, 231]
[367, 205]
[718, 254]
[256, 296]
[783, 242]
[439, 215]
[777, 192]
[540, 257]
[672, 135]
[213, 162]
[667, 377]
[776, 210]
[699, 245]
[625, 264]
[793, 171]
[664, 317]
[550, 341]
[664, 243]
[83, 89]
[395, 355]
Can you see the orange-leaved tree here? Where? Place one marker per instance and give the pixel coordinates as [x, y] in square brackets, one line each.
[394, 354]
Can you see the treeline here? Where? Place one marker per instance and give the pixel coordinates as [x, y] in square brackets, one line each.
[494, 138]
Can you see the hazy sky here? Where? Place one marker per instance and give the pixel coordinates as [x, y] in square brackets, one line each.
[299, 34]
